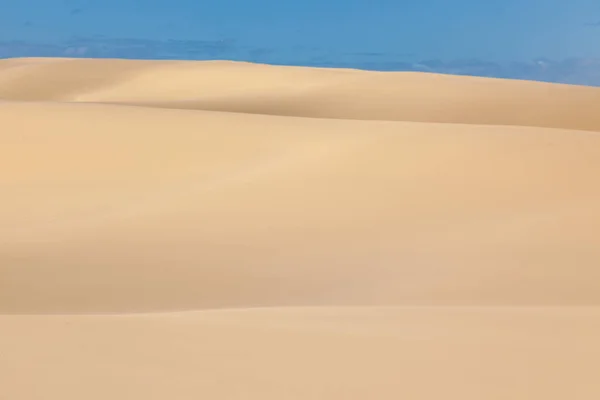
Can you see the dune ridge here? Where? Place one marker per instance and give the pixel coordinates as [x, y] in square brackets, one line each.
[305, 92]
[238, 231]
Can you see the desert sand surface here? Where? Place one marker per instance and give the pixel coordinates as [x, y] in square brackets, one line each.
[226, 230]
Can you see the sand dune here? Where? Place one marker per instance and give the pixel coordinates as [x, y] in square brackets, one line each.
[204, 209]
[305, 92]
[445, 232]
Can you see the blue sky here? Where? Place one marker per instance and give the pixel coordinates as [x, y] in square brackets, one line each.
[486, 29]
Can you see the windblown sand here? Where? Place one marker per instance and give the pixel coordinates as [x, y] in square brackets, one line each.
[218, 230]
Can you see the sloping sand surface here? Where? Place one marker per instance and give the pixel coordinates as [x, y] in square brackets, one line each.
[298, 354]
[404, 235]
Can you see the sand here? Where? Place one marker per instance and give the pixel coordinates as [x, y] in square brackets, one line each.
[227, 230]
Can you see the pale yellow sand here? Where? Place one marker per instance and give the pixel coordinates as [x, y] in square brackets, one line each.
[322, 353]
[445, 232]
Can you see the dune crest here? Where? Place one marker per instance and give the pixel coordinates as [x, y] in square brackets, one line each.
[305, 92]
